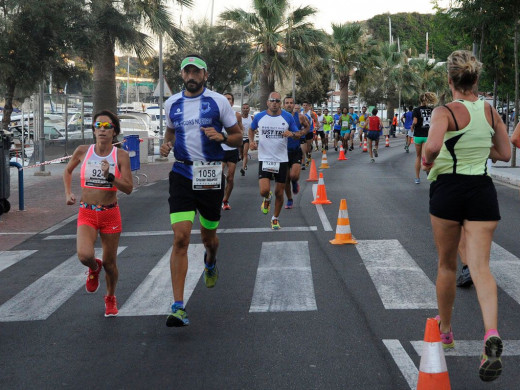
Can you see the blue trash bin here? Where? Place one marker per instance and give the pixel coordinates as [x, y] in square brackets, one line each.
[131, 145]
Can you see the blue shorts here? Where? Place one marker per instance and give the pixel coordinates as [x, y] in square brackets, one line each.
[373, 135]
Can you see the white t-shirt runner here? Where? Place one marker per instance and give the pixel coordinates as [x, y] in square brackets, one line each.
[272, 145]
[186, 115]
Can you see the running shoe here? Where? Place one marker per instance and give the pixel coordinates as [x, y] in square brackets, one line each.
[245, 167]
[303, 167]
[242, 172]
[375, 152]
[417, 180]
[289, 204]
[327, 147]
[372, 160]
[447, 338]
[111, 306]
[351, 148]
[225, 205]
[316, 149]
[491, 364]
[178, 317]
[464, 279]
[336, 148]
[295, 187]
[93, 278]
[275, 224]
[266, 204]
[210, 275]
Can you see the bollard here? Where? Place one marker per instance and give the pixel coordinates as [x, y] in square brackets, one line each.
[20, 183]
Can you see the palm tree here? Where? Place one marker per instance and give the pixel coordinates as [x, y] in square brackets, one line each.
[432, 77]
[281, 40]
[351, 50]
[119, 23]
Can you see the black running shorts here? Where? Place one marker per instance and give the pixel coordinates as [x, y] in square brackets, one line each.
[231, 156]
[279, 177]
[184, 198]
[464, 197]
[295, 156]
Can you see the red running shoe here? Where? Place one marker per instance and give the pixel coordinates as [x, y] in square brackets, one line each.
[93, 278]
[111, 306]
[225, 205]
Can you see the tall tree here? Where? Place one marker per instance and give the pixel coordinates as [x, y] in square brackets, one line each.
[35, 39]
[281, 40]
[350, 49]
[121, 23]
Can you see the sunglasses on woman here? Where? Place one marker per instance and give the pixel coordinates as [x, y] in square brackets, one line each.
[103, 125]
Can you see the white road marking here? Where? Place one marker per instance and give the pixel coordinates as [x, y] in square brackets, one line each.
[284, 278]
[154, 295]
[473, 347]
[40, 299]
[403, 361]
[8, 258]
[321, 213]
[196, 231]
[506, 268]
[399, 281]
[52, 229]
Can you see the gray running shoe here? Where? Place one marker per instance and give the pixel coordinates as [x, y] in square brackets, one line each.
[464, 279]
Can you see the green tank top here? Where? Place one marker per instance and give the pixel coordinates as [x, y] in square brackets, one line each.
[465, 152]
[345, 122]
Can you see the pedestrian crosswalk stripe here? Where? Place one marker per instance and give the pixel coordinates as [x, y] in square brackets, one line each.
[154, 295]
[40, 299]
[403, 361]
[8, 258]
[399, 281]
[284, 278]
[506, 268]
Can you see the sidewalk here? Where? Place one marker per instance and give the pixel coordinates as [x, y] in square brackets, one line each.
[44, 200]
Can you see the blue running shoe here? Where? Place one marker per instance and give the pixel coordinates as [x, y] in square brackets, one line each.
[210, 275]
[289, 204]
[295, 187]
[177, 318]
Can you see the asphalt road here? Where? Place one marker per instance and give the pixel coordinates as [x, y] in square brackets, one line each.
[290, 310]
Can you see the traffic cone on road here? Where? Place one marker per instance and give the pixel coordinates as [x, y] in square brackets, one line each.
[342, 153]
[321, 193]
[433, 372]
[324, 162]
[365, 149]
[343, 233]
[387, 142]
[313, 173]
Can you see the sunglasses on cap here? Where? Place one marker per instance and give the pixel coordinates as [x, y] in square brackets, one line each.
[104, 125]
[275, 100]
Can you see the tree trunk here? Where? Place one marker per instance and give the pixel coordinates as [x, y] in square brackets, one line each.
[10, 86]
[104, 93]
[344, 81]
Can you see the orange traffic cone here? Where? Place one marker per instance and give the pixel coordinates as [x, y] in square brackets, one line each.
[433, 372]
[313, 173]
[324, 162]
[343, 234]
[321, 194]
[387, 142]
[342, 153]
[365, 149]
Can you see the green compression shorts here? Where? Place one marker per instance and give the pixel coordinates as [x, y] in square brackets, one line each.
[420, 140]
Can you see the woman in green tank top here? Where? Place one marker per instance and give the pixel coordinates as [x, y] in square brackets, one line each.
[462, 136]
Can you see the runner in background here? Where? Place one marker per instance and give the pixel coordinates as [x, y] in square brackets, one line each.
[244, 150]
[274, 126]
[337, 128]
[328, 122]
[407, 120]
[374, 132]
[294, 151]
[420, 126]
[231, 158]
[363, 125]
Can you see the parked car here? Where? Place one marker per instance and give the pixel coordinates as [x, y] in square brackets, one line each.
[52, 133]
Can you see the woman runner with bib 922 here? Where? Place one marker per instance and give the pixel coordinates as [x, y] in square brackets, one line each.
[463, 135]
[104, 170]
